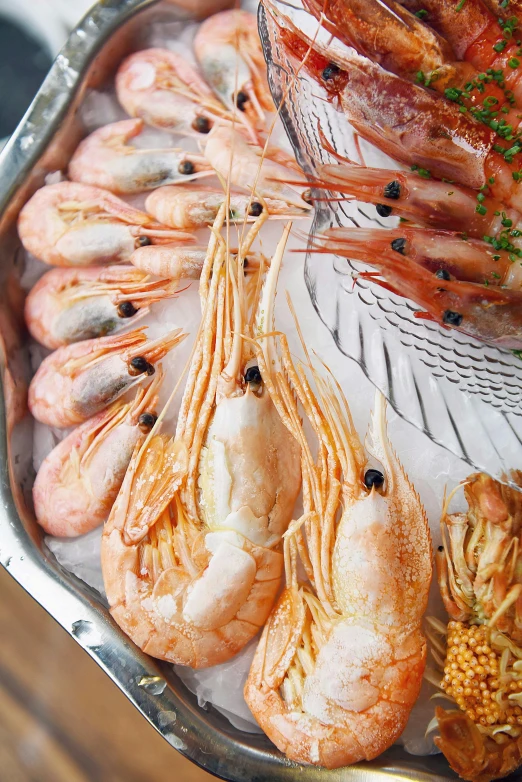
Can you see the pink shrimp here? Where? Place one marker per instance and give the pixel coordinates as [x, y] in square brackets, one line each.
[69, 305]
[78, 381]
[164, 90]
[486, 313]
[71, 224]
[182, 262]
[105, 159]
[79, 480]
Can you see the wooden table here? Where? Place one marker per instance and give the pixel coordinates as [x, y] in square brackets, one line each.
[61, 718]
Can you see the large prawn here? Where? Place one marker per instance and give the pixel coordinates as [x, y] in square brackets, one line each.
[190, 552]
[479, 568]
[340, 662]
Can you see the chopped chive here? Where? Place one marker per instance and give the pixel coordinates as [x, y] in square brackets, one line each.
[500, 46]
[513, 62]
[421, 13]
[480, 209]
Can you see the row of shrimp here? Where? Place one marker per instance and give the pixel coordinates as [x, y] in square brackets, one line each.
[437, 86]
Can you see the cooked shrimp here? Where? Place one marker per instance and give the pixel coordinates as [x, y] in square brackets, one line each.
[234, 159]
[189, 553]
[229, 52]
[412, 124]
[341, 659]
[486, 313]
[182, 262]
[78, 381]
[480, 576]
[79, 480]
[70, 224]
[188, 207]
[447, 254]
[69, 305]
[105, 159]
[164, 90]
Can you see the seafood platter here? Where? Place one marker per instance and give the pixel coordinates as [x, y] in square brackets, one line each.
[261, 366]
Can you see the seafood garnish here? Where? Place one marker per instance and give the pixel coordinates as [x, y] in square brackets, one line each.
[341, 659]
[77, 381]
[480, 579]
[79, 480]
[70, 305]
[105, 159]
[163, 89]
[71, 224]
[190, 207]
[230, 56]
[189, 553]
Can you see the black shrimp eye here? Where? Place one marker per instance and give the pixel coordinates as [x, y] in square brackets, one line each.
[441, 549]
[451, 318]
[307, 196]
[139, 365]
[246, 263]
[399, 245]
[143, 241]
[373, 478]
[253, 375]
[186, 167]
[241, 99]
[255, 209]
[330, 72]
[443, 274]
[202, 125]
[126, 309]
[383, 210]
[393, 190]
[146, 421]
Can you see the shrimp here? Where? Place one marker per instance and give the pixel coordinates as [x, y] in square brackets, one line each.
[479, 569]
[483, 312]
[233, 158]
[447, 254]
[70, 305]
[412, 124]
[182, 262]
[187, 208]
[228, 49]
[78, 381]
[70, 224]
[106, 160]
[79, 480]
[341, 659]
[190, 555]
[164, 90]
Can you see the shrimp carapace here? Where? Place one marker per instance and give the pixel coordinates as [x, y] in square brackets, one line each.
[190, 553]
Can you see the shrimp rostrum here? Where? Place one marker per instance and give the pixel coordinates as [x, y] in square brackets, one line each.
[479, 569]
[341, 659]
[190, 553]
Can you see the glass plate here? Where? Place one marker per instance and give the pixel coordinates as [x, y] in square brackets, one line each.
[463, 394]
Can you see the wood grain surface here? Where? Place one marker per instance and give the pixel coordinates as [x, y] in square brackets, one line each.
[61, 718]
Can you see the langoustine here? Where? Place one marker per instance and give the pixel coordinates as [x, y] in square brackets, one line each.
[340, 662]
[70, 305]
[190, 552]
[71, 224]
[479, 568]
[105, 159]
[79, 480]
[79, 380]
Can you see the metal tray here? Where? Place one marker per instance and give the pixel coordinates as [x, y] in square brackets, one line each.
[44, 142]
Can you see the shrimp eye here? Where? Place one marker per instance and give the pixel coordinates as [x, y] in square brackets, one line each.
[399, 245]
[143, 241]
[373, 478]
[255, 209]
[253, 375]
[202, 125]
[246, 263]
[307, 196]
[393, 190]
[126, 309]
[330, 72]
[383, 210]
[139, 365]
[186, 167]
[442, 274]
[441, 549]
[451, 318]
[241, 99]
[146, 421]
